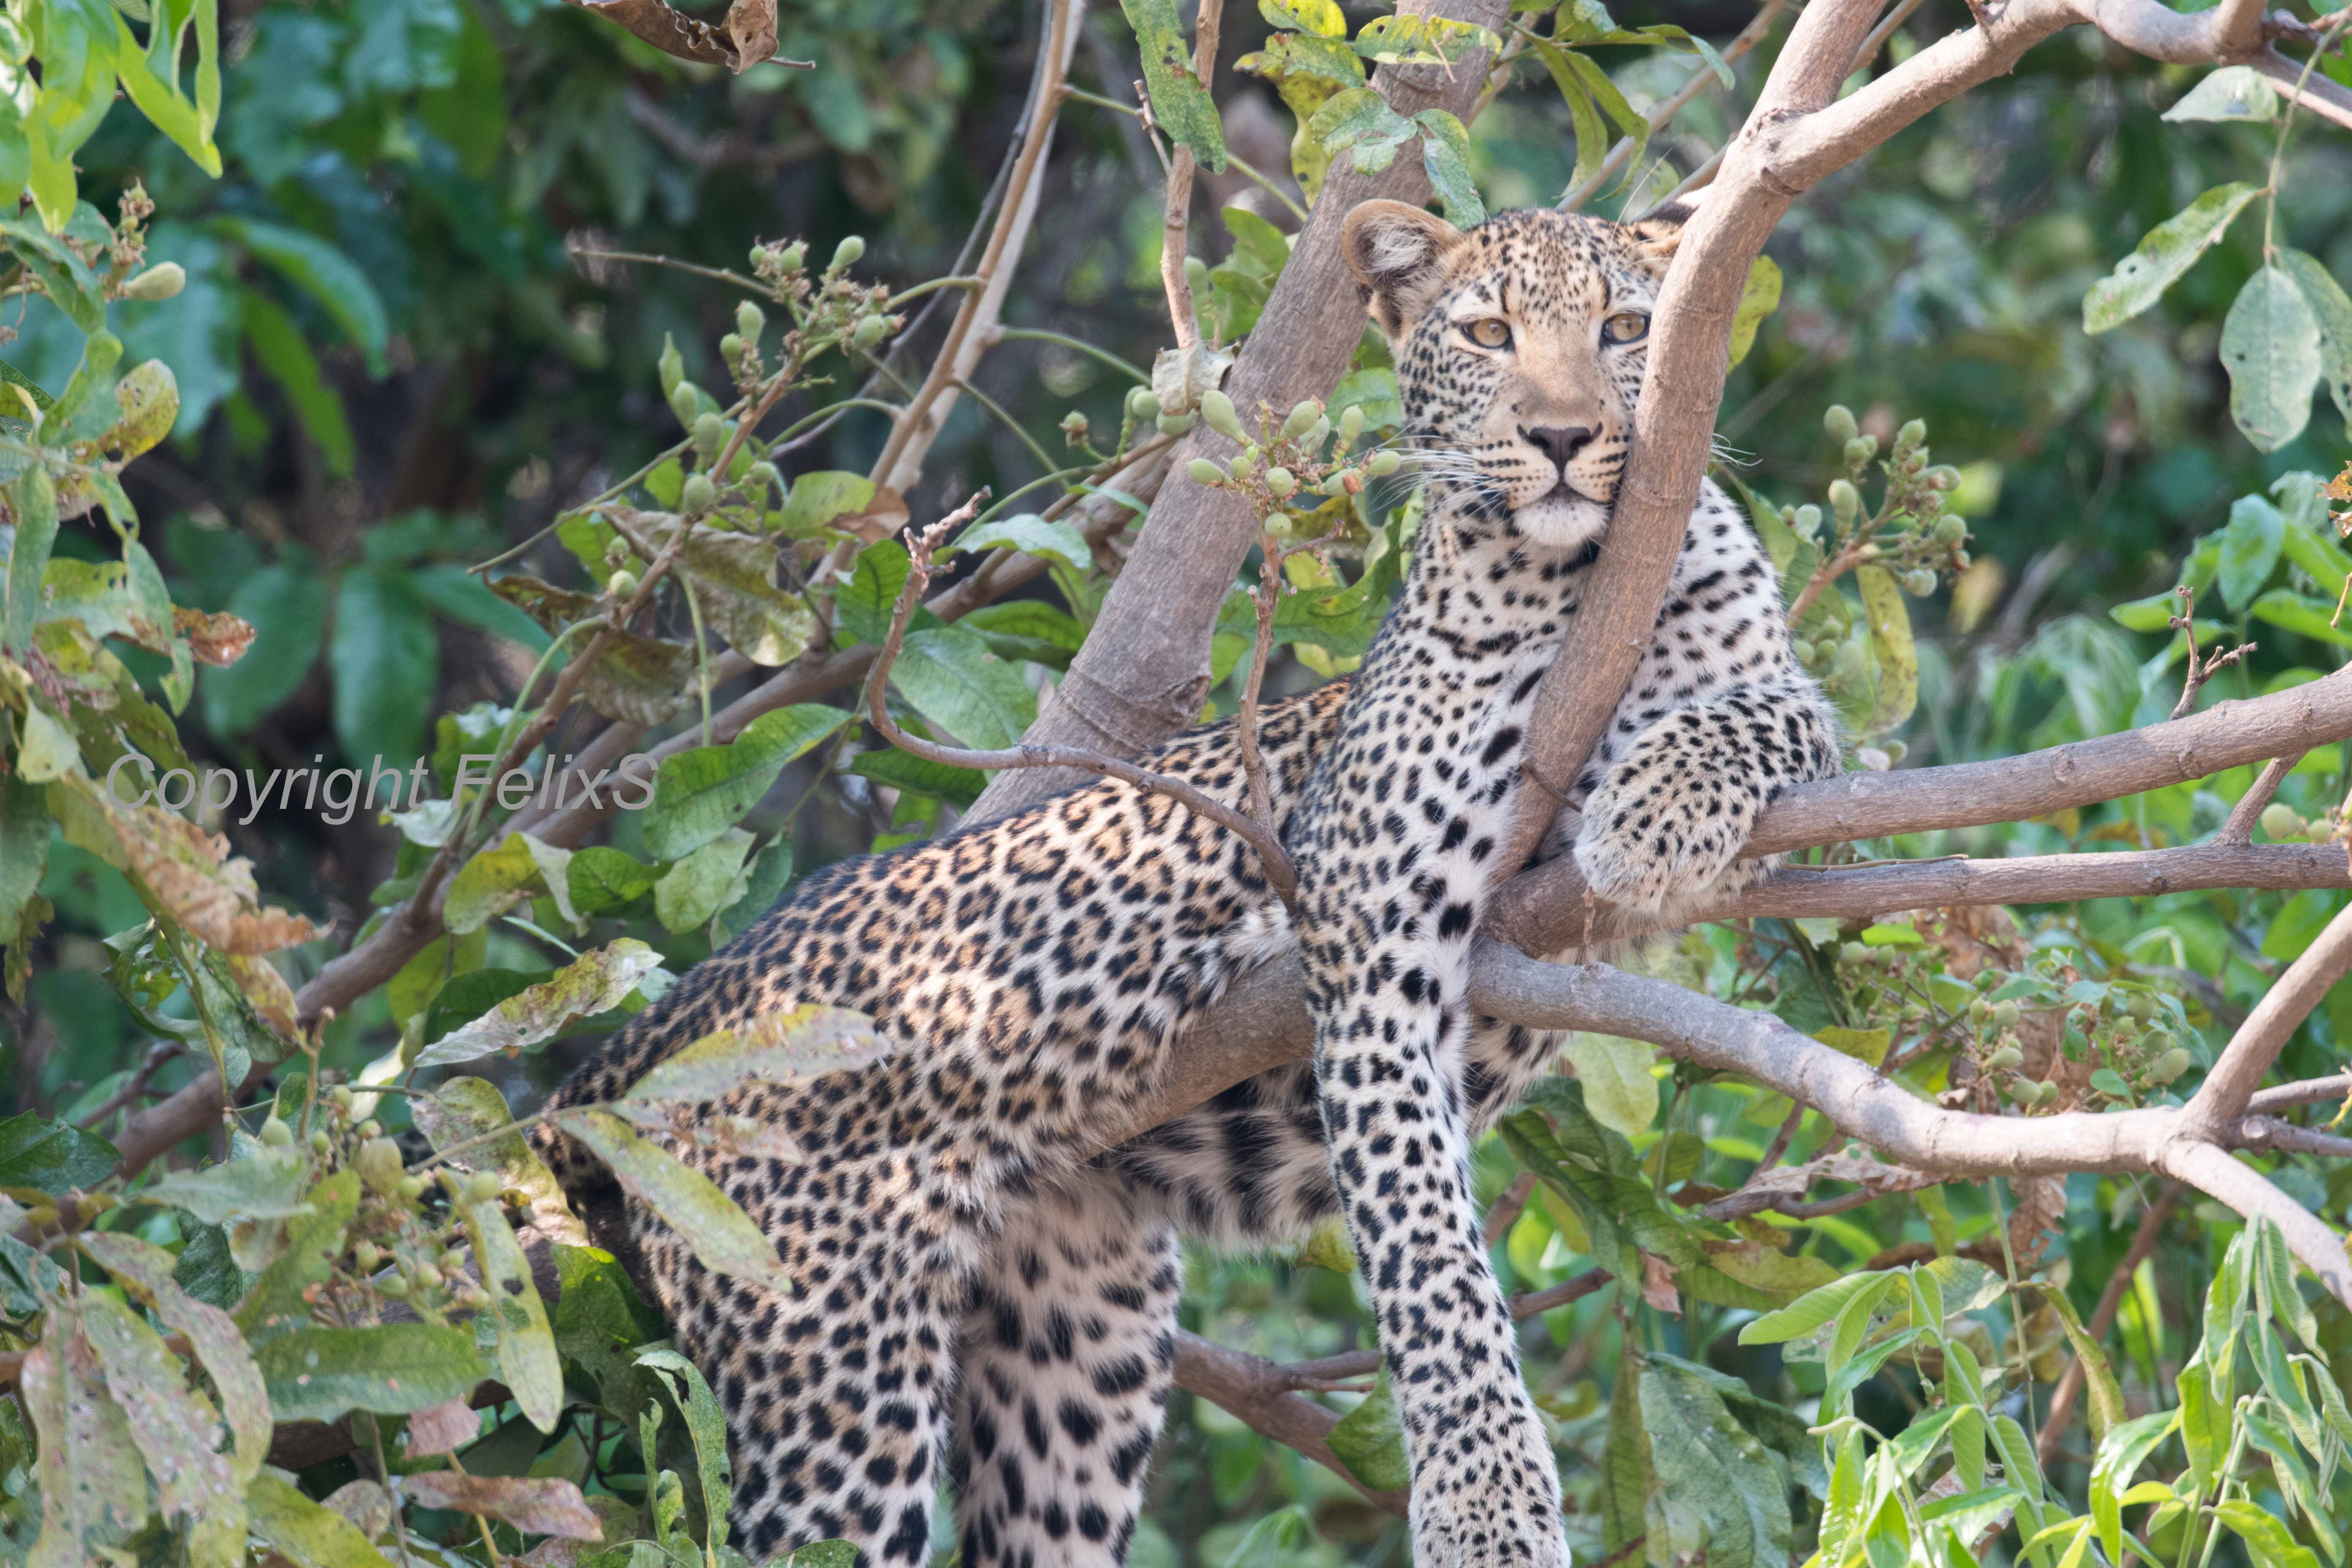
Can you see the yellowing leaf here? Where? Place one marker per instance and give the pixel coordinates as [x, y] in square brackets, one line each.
[592, 983]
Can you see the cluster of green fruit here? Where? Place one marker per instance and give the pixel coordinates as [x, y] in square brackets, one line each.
[1287, 459]
[2283, 824]
[396, 1248]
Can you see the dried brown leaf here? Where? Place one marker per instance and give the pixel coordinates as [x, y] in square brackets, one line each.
[365, 1503]
[444, 1428]
[1658, 1285]
[215, 636]
[536, 1505]
[751, 26]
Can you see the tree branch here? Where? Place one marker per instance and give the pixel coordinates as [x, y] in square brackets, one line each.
[2246, 1060]
[1143, 674]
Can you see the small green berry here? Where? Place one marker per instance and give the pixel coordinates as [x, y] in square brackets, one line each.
[1838, 420]
[482, 1186]
[1301, 418]
[161, 282]
[1175, 424]
[1222, 417]
[2169, 1065]
[276, 1133]
[869, 332]
[1844, 499]
[1281, 483]
[791, 260]
[2005, 1014]
[1910, 438]
[847, 253]
[1383, 463]
[1144, 403]
[1860, 450]
[319, 1142]
[685, 403]
[2282, 822]
[730, 348]
[2005, 1059]
[410, 1188]
[750, 321]
[698, 495]
[1205, 472]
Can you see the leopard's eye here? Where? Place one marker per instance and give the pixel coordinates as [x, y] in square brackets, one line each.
[1489, 332]
[1625, 327]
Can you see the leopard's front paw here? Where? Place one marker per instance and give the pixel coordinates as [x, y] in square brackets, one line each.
[1643, 847]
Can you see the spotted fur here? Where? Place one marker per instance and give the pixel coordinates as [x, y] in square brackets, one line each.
[981, 1292]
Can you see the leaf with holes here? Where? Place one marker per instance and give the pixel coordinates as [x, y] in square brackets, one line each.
[2164, 252]
[318, 1374]
[2234, 92]
[2332, 309]
[593, 984]
[2270, 346]
[1180, 105]
[1445, 156]
[704, 1217]
[1360, 119]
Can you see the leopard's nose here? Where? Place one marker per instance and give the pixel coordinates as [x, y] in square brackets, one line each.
[1560, 443]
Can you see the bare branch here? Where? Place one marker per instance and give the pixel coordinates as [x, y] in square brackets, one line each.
[2266, 1135]
[901, 462]
[2308, 1092]
[1280, 874]
[1253, 1388]
[1783, 1190]
[1508, 1208]
[2197, 675]
[2223, 1096]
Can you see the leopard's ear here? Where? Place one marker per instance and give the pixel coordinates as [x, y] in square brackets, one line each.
[1656, 237]
[1397, 254]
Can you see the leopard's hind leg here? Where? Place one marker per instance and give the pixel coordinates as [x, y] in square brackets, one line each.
[1066, 1350]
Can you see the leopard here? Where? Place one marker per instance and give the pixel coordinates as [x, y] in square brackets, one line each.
[985, 1257]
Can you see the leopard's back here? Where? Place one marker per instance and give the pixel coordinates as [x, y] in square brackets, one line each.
[1058, 945]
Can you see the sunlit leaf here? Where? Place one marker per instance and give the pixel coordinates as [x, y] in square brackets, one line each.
[704, 1217]
[2270, 346]
[318, 1374]
[2164, 252]
[592, 983]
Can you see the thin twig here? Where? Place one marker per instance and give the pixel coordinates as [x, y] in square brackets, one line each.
[1280, 873]
[1176, 211]
[2240, 828]
[2198, 674]
[1508, 1208]
[135, 1086]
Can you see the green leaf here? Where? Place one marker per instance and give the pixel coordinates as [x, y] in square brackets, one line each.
[2270, 346]
[177, 1431]
[1180, 104]
[56, 1157]
[1370, 1440]
[386, 663]
[149, 1272]
[1361, 119]
[2121, 1453]
[465, 598]
[286, 608]
[1321, 17]
[2312, 618]
[466, 997]
[818, 497]
[2332, 310]
[2106, 1407]
[950, 677]
[701, 793]
[471, 1107]
[1423, 40]
[2274, 1287]
[861, 611]
[2234, 92]
[683, 1381]
[93, 1485]
[1626, 1479]
[528, 1363]
[602, 879]
[2164, 252]
[327, 275]
[2206, 1427]
[1759, 298]
[783, 1045]
[904, 771]
[593, 984]
[1711, 1467]
[2268, 1540]
[279, 348]
[1445, 155]
[1811, 1310]
[496, 880]
[704, 1217]
[1031, 536]
[33, 502]
[319, 1373]
[1619, 1090]
[309, 1534]
[1891, 645]
[264, 1184]
[1611, 102]
[701, 884]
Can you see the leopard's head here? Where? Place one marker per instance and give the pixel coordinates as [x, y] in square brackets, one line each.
[1519, 347]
